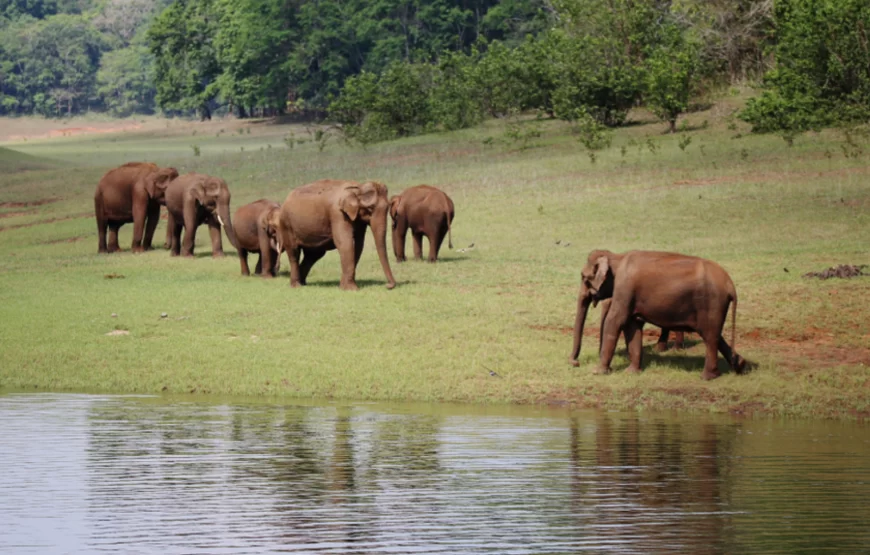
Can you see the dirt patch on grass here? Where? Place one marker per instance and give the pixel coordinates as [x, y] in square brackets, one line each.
[73, 131]
[765, 177]
[843, 271]
[26, 204]
[48, 221]
[66, 240]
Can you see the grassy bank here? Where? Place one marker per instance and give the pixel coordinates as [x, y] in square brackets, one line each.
[766, 211]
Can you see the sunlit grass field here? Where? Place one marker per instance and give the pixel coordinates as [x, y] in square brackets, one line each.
[486, 324]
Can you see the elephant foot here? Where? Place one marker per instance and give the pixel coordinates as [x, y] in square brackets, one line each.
[601, 371]
[349, 286]
[575, 363]
[167, 246]
[187, 255]
[707, 375]
[102, 251]
[266, 275]
[633, 370]
[391, 285]
[219, 254]
[661, 347]
[296, 284]
[138, 249]
[740, 366]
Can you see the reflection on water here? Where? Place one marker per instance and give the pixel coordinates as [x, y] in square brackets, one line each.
[93, 473]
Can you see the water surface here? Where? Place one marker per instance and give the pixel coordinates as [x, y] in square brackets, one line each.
[83, 473]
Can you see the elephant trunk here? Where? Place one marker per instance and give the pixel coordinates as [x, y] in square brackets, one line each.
[227, 223]
[583, 301]
[379, 230]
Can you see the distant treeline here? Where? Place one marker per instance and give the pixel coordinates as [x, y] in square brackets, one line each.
[385, 68]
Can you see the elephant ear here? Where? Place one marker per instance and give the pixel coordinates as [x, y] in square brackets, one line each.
[602, 269]
[349, 203]
[394, 207]
[368, 196]
[156, 182]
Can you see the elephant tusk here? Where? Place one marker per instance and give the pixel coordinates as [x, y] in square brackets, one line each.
[220, 221]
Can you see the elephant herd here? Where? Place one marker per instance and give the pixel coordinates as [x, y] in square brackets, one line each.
[673, 291]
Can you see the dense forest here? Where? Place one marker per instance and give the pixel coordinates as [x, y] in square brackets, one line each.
[386, 68]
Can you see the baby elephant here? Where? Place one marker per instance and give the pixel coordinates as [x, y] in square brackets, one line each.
[257, 231]
[426, 211]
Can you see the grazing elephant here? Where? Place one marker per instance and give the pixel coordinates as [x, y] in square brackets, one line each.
[256, 226]
[425, 211]
[194, 199]
[130, 193]
[672, 291]
[661, 344]
[333, 214]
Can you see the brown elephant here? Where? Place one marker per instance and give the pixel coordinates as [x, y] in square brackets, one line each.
[256, 227]
[672, 291]
[333, 214]
[425, 211]
[130, 193]
[661, 344]
[194, 199]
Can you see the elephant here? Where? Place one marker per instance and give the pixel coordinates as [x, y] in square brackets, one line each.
[333, 214]
[670, 290]
[193, 199]
[661, 344]
[256, 227]
[425, 211]
[130, 193]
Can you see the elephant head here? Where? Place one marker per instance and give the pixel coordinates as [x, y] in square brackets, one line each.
[157, 181]
[597, 285]
[269, 224]
[368, 203]
[213, 195]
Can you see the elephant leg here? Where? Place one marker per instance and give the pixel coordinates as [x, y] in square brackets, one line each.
[711, 342]
[738, 364]
[167, 243]
[140, 215]
[433, 245]
[662, 343]
[678, 340]
[274, 262]
[102, 226]
[190, 223]
[417, 238]
[243, 262]
[634, 341]
[311, 256]
[151, 225]
[440, 234]
[616, 320]
[295, 273]
[217, 248]
[399, 236]
[258, 270]
[113, 237]
[605, 308]
[173, 229]
[345, 244]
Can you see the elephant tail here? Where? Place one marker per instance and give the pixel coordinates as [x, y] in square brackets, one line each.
[734, 356]
[449, 233]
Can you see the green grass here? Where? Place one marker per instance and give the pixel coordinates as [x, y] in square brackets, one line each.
[752, 203]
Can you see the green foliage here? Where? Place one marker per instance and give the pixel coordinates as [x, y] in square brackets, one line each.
[822, 76]
[670, 77]
[125, 81]
[182, 39]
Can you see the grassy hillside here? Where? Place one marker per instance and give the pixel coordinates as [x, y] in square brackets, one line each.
[767, 211]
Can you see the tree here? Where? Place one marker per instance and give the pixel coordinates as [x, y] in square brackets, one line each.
[125, 81]
[822, 73]
[671, 73]
[181, 39]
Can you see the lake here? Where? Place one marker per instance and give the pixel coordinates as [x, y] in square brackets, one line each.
[140, 474]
